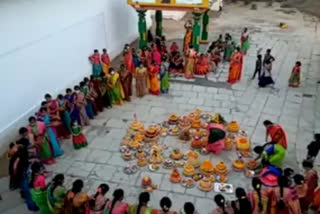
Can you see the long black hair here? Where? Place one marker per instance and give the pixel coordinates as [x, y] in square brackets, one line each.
[57, 181]
[77, 186]
[144, 198]
[244, 203]
[117, 196]
[257, 184]
[283, 183]
[102, 189]
[189, 208]
[221, 202]
[165, 204]
[35, 168]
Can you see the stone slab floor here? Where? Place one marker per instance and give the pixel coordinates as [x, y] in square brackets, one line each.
[298, 110]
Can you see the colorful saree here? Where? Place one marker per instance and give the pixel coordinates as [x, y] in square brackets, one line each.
[228, 50]
[119, 208]
[133, 210]
[277, 134]
[99, 205]
[74, 112]
[78, 138]
[311, 179]
[64, 113]
[154, 81]
[116, 93]
[294, 80]
[217, 134]
[126, 82]
[275, 155]
[80, 101]
[190, 64]
[55, 199]
[89, 103]
[290, 199]
[55, 146]
[164, 78]
[141, 81]
[187, 39]
[41, 139]
[75, 203]
[202, 66]
[56, 121]
[39, 194]
[235, 68]
[254, 199]
[105, 61]
[96, 64]
[128, 60]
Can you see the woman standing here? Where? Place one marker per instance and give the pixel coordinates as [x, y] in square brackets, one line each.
[98, 201]
[38, 188]
[71, 104]
[259, 197]
[165, 205]
[188, 36]
[142, 207]
[126, 82]
[245, 41]
[116, 93]
[235, 69]
[117, 206]
[164, 76]
[80, 103]
[78, 139]
[311, 180]
[96, 63]
[229, 48]
[75, 201]
[154, 79]
[141, 80]
[242, 204]
[294, 80]
[64, 113]
[190, 63]
[55, 194]
[105, 61]
[221, 206]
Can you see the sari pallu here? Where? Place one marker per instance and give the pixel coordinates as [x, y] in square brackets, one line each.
[39, 197]
[154, 81]
[128, 61]
[190, 64]
[116, 93]
[187, 39]
[133, 210]
[235, 69]
[64, 114]
[55, 146]
[254, 199]
[277, 134]
[76, 203]
[55, 199]
[126, 82]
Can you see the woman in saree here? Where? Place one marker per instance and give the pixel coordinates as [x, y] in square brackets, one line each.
[55, 119]
[64, 113]
[141, 80]
[284, 199]
[116, 93]
[245, 41]
[126, 82]
[222, 207]
[136, 59]
[54, 143]
[165, 205]
[164, 76]
[242, 203]
[215, 56]
[202, 65]
[96, 63]
[128, 59]
[229, 48]
[90, 109]
[98, 201]
[105, 61]
[188, 36]
[294, 80]
[277, 133]
[76, 201]
[104, 90]
[235, 69]
[80, 103]
[116, 205]
[93, 94]
[156, 56]
[142, 206]
[40, 138]
[153, 79]
[149, 57]
[176, 65]
[259, 197]
[174, 48]
[71, 104]
[311, 180]
[190, 63]
[216, 138]
[38, 188]
[55, 194]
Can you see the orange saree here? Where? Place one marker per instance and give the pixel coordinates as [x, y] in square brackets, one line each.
[235, 69]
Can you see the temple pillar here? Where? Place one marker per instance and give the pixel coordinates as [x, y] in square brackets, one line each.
[158, 18]
[205, 28]
[196, 31]
[142, 26]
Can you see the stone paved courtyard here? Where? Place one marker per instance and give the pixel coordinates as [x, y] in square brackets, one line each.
[298, 110]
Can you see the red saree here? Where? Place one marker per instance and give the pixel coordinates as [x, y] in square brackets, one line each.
[235, 69]
[277, 134]
[128, 60]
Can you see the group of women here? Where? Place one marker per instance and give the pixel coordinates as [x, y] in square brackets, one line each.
[291, 194]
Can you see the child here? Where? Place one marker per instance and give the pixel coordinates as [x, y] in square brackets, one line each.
[258, 67]
[313, 148]
[78, 138]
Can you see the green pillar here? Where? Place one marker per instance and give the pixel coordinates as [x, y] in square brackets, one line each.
[196, 31]
[142, 26]
[205, 28]
[159, 23]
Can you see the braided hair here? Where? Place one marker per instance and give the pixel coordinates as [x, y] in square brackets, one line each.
[221, 202]
[77, 186]
[102, 189]
[144, 198]
[35, 168]
[283, 183]
[257, 184]
[117, 196]
[165, 204]
[57, 181]
[244, 203]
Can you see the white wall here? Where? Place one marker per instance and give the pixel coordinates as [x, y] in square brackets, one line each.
[44, 46]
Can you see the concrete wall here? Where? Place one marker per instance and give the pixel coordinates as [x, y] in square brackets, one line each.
[45, 45]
